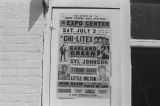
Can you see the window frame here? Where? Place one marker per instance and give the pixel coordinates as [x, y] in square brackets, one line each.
[145, 43]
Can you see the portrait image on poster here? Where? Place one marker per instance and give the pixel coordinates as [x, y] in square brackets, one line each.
[84, 56]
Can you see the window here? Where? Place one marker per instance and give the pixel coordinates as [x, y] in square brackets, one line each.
[145, 18]
[145, 76]
[145, 51]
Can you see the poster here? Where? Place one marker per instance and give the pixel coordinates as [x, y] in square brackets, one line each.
[84, 56]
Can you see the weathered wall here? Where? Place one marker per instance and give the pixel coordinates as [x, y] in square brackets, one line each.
[21, 48]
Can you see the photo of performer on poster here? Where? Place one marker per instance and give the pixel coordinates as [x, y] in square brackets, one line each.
[62, 51]
[63, 73]
[103, 47]
[102, 76]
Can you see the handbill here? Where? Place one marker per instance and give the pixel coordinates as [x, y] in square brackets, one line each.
[84, 56]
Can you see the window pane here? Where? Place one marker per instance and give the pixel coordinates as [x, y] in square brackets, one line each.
[145, 20]
[145, 1]
[145, 76]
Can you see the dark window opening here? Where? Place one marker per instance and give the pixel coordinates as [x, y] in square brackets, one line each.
[145, 76]
[145, 20]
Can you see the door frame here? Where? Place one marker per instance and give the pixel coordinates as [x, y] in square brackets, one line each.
[125, 52]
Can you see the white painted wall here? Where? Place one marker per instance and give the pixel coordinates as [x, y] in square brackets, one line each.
[21, 52]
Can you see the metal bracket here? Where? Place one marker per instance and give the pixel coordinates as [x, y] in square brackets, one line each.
[51, 27]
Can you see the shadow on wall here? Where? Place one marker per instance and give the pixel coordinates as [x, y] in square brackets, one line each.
[36, 10]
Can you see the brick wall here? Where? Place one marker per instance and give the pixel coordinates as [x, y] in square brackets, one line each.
[21, 48]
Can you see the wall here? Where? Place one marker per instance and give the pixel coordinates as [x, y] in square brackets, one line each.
[21, 48]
